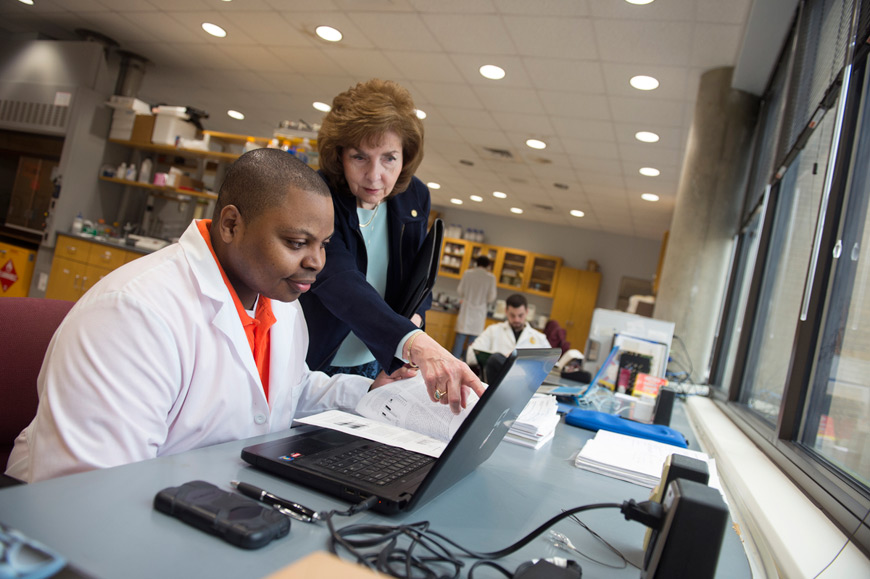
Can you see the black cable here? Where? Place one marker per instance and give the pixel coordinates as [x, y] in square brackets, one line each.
[602, 540]
[691, 368]
[428, 554]
[843, 548]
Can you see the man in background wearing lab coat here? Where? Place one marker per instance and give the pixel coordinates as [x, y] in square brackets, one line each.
[477, 290]
[514, 332]
[199, 343]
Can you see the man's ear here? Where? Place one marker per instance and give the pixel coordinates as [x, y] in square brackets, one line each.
[230, 223]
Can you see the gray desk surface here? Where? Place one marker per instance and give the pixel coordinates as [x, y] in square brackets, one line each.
[104, 523]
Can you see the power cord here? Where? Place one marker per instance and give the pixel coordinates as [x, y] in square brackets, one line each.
[843, 548]
[562, 542]
[415, 550]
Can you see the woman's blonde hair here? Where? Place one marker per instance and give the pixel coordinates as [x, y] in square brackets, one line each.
[364, 113]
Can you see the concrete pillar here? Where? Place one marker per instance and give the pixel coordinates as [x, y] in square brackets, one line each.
[706, 217]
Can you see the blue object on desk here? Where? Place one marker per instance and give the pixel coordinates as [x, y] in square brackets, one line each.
[593, 420]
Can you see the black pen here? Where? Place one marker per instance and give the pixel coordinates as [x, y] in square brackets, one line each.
[289, 508]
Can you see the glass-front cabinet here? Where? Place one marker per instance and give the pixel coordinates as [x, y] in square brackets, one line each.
[510, 269]
[514, 269]
[542, 279]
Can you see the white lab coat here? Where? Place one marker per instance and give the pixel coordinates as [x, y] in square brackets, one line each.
[154, 360]
[477, 289]
[499, 339]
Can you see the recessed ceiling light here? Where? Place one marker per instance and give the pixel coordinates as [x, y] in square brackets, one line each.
[456, 201]
[536, 144]
[433, 185]
[644, 82]
[646, 137]
[516, 210]
[492, 72]
[649, 197]
[639, 2]
[650, 172]
[476, 198]
[420, 114]
[322, 107]
[577, 213]
[236, 115]
[499, 194]
[328, 33]
[214, 29]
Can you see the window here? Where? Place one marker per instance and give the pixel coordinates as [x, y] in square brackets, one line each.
[791, 359]
[837, 422]
[796, 210]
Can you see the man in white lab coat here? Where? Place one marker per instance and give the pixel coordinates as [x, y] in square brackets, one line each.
[477, 290]
[514, 332]
[199, 343]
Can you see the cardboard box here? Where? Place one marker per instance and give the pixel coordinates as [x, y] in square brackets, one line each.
[185, 182]
[170, 126]
[143, 128]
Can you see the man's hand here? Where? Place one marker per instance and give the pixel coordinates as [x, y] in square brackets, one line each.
[447, 379]
[382, 379]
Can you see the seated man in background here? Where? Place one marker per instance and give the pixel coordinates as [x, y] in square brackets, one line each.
[199, 343]
[504, 337]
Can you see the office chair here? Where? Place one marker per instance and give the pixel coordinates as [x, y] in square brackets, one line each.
[31, 323]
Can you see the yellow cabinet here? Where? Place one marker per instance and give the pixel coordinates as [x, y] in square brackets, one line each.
[65, 279]
[574, 302]
[79, 264]
[542, 274]
[441, 327]
[510, 269]
[514, 269]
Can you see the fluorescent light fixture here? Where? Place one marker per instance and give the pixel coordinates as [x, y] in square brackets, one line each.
[476, 198]
[577, 213]
[322, 107]
[236, 115]
[650, 172]
[28, 2]
[456, 201]
[214, 29]
[639, 2]
[420, 114]
[433, 185]
[499, 194]
[516, 210]
[642, 82]
[492, 72]
[328, 33]
[646, 137]
[649, 197]
[536, 144]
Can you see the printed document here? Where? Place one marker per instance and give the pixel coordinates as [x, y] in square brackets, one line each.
[399, 414]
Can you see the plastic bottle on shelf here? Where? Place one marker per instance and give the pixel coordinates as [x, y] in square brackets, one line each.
[121, 173]
[145, 171]
[131, 173]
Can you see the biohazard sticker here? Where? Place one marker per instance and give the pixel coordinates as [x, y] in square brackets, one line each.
[8, 275]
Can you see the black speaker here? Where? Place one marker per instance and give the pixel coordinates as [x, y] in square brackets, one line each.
[664, 406]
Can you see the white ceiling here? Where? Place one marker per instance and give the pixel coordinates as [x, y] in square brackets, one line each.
[568, 64]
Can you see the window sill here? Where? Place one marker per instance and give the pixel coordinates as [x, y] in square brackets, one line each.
[783, 532]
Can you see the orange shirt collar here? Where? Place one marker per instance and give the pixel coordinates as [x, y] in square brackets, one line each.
[256, 328]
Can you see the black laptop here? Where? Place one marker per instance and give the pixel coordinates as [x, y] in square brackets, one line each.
[354, 468]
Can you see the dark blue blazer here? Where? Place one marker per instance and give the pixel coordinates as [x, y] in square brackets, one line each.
[341, 300]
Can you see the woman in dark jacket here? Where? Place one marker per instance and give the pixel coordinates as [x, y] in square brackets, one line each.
[370, 145]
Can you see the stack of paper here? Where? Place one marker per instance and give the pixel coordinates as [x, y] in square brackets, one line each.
[635, 460]
[536, 424]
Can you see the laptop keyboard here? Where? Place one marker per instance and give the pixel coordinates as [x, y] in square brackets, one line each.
[378, 465]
